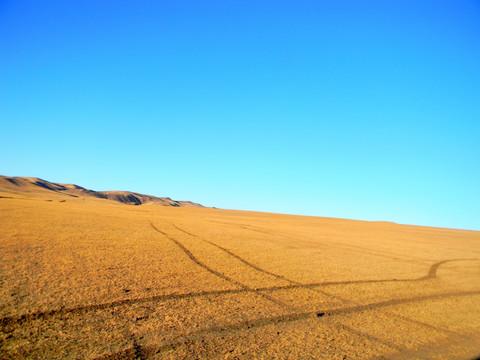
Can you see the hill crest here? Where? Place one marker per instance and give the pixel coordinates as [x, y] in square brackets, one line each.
[37, 186]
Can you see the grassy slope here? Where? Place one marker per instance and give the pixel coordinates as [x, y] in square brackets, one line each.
[96, 279]
[38, 188]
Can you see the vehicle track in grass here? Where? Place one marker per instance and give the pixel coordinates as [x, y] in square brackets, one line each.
[382, 253]
[219, 274]
[253, 266]
[13, 321]
[432, 273]
[151, 350]
[140, 351]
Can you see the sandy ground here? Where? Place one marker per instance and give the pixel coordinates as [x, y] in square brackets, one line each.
[100, 280]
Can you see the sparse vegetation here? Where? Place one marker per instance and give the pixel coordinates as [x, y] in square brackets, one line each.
[89, 278]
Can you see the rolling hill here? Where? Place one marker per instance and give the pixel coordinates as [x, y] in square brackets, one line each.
[36, 187]
[84, 276]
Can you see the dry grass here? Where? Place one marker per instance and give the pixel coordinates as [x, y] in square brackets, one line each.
[96, 279]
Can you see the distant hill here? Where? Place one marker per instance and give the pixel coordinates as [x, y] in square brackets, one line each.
[36, 186]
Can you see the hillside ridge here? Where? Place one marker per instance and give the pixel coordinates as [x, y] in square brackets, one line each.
[34, 185]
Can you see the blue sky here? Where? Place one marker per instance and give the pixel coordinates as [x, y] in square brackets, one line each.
[354, 109]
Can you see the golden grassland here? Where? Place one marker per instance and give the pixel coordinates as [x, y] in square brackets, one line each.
[94, 279]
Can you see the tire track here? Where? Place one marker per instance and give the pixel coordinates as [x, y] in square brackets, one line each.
[421, 323]
[243, 226]
[463, 346]
[218, 274]
[198, 262]
[274, 320]
[382, 253]
[253, 266]
[432, 273]
[151, 350]
[367, 336]
[10, 321]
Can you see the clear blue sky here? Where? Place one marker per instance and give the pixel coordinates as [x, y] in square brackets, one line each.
[353, 109]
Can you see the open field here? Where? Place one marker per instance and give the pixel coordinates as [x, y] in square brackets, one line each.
[95, 279]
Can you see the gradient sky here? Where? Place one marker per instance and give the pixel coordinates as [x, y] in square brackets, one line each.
[354, 109]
